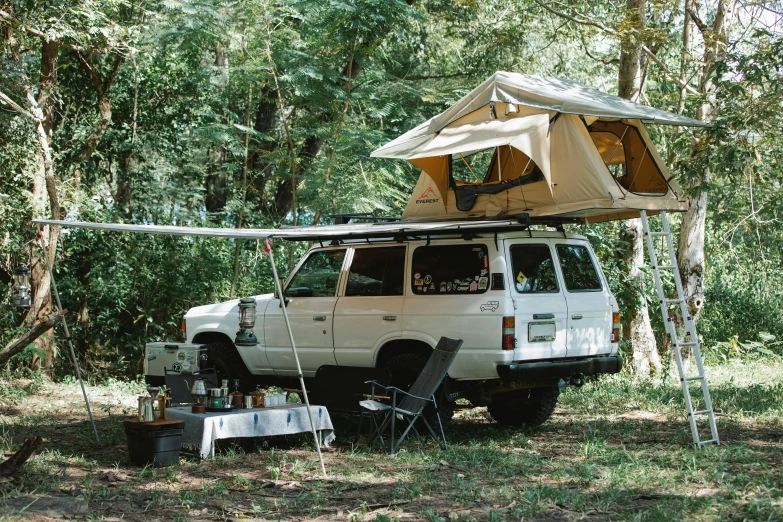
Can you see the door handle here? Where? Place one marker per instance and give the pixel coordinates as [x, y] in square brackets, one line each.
[543, 316]
[319, 318]
[576, 316]
[389, 317]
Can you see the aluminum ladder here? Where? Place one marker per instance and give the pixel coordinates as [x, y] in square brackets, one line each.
[691, 341]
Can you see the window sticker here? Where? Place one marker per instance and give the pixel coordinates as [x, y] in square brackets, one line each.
[445, 269]
[482, 284]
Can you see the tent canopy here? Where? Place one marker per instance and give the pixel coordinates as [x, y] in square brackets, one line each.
[544, 146]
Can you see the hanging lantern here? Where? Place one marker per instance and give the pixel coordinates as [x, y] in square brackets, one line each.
[247, 320]
[22, 287]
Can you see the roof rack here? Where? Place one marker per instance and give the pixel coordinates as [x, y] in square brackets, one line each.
[414, 230]
[344, 219]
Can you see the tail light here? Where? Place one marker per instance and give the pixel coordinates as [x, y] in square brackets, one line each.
[509, 337]
[184, 328]
[615, 327]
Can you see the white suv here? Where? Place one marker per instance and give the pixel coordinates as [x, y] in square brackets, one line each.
[533, 308]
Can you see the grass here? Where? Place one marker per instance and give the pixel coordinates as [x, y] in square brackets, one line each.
[616, 449]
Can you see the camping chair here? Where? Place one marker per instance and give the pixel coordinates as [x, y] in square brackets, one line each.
[408, 406]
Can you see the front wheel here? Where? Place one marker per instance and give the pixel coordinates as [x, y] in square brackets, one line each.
[225, 359]
[524, 407]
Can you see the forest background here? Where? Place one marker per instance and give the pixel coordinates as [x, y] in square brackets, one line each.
[254, 113]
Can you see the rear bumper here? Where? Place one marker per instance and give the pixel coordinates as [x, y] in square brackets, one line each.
[547, 370]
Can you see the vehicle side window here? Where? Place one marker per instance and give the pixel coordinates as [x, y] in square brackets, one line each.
[318, 275]
[376, 271]
[534, 270]
[450, 269]
[579, 272]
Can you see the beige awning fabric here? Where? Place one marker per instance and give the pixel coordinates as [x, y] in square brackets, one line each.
[558, 148]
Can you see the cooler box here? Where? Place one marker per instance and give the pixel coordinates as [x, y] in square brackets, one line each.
[174, 357]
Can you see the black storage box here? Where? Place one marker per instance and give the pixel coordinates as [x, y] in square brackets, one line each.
[159, 447]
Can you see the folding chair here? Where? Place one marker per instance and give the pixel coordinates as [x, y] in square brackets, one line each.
[408, 406]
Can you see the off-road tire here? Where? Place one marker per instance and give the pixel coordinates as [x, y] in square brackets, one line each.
[404, 370]
[225, 359]
[524, 407]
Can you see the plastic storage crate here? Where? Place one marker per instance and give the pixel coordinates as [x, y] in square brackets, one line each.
[159, 447]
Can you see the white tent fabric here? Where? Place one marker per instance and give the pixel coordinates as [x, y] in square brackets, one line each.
[571, 133]
[555, 95]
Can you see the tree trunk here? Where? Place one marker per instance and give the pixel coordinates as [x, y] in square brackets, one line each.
[690, 252]
[266, 117]
[636, 317]
[241, 215]
[44, 187]
[43, 325]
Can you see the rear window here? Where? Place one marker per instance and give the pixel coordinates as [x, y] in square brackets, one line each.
[376, 271]
[579, 273]
[534, 270]
[450, 269]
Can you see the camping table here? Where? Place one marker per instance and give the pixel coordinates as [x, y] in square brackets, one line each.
[202, 429]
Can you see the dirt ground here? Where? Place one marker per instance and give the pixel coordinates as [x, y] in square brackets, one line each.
[614, 450]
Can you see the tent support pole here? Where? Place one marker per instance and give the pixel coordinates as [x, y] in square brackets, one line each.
[68, 338]
[296, 358]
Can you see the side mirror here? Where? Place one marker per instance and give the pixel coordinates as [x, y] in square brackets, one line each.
[277, 295]
[282, 284]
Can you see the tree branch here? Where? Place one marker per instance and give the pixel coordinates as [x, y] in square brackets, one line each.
[583, 21]
[18, 108]
[679, 81]
[34, 333]
[698, 21]
[40, 34]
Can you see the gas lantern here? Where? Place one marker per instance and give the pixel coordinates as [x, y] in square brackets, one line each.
[22, 287]
[247, 320]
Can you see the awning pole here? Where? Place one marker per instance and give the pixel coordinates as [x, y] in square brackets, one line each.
[68, 337]
[296, 355]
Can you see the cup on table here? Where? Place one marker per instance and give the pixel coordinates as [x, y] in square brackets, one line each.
[248, 402]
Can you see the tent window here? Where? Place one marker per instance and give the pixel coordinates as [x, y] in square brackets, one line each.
[483, 167]
[628, 158]
[471, 167]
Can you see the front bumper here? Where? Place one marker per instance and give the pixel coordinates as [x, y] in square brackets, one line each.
[554, 370]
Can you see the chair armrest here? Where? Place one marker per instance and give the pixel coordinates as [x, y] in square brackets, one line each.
[375, 396]
[397, 390]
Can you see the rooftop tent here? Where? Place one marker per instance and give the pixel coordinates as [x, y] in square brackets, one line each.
[545, 146]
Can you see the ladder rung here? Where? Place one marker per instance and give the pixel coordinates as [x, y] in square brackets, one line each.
[694, 378]
[668, 267]
[701, 412]
[658, 234]
[703, 442]
[671, 301]
[687, 343]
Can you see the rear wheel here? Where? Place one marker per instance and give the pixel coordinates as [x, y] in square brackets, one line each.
[224, 358]
[524, 407]
[405, 369]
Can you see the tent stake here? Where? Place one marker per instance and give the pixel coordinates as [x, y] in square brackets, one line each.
[68, 338]
[296, 356]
